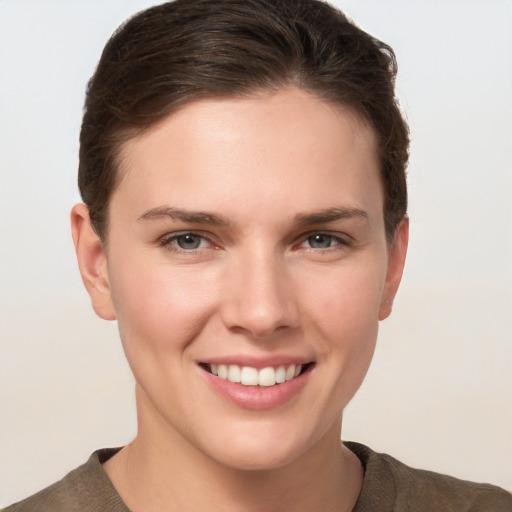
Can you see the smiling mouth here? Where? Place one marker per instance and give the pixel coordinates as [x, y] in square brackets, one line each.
[250, 376]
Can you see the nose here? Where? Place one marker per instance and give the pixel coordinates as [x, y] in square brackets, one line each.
[259, 297]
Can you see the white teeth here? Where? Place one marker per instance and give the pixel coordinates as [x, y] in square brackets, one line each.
[280, 375]
[234, 373]
[290, 372]
[249, 376]
[267, 377]
[223, 371]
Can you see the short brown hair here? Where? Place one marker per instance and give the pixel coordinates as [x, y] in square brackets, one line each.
[189, 49]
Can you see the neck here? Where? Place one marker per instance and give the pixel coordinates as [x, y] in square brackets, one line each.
[159, 471]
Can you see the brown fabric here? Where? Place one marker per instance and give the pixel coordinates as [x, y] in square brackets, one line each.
[85, 489]
[389, 486]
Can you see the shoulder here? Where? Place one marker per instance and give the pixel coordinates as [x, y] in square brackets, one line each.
[85, 489]
[391, 485]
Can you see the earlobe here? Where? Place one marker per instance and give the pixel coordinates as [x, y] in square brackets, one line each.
[92, 262]
[396, 262]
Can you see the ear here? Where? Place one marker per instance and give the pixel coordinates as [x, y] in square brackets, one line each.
[92, 262]
[396, 262]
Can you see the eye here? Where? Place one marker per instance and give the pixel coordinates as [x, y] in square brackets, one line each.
[322, 241]
[185, 241]
[188, 241]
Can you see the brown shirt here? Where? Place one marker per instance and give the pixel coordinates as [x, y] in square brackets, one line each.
[389, 486]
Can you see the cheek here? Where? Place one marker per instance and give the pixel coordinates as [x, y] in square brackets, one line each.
[344, 318]
[159, 310]
[347, 301]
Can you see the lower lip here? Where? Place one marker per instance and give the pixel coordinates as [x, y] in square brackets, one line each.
[257, 397]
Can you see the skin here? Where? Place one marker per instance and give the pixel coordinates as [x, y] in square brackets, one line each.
[258, 284]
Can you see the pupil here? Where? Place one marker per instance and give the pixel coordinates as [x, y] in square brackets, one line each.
[320, 241]
[188, 241]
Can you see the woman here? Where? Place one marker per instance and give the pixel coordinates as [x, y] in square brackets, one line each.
[242, 166]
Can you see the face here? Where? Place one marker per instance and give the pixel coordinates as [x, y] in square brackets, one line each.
[246, 242]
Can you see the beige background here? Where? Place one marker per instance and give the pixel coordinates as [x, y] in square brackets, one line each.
[439, 393]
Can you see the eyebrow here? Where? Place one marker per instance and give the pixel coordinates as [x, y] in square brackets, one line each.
[196, 217]
[330, 215]
[303, 219]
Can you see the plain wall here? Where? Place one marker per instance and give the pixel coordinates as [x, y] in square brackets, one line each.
[439, 393]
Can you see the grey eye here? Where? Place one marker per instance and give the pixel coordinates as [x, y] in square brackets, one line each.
[320, 241]
[188, 241]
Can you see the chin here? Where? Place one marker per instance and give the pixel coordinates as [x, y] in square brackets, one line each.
[264, 459]
[267, 448]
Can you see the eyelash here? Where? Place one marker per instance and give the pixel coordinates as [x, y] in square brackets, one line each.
[170, 242]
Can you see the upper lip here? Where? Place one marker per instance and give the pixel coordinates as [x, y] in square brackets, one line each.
[255, 361]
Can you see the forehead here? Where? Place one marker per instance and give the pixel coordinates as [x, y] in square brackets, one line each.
[287, 147]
